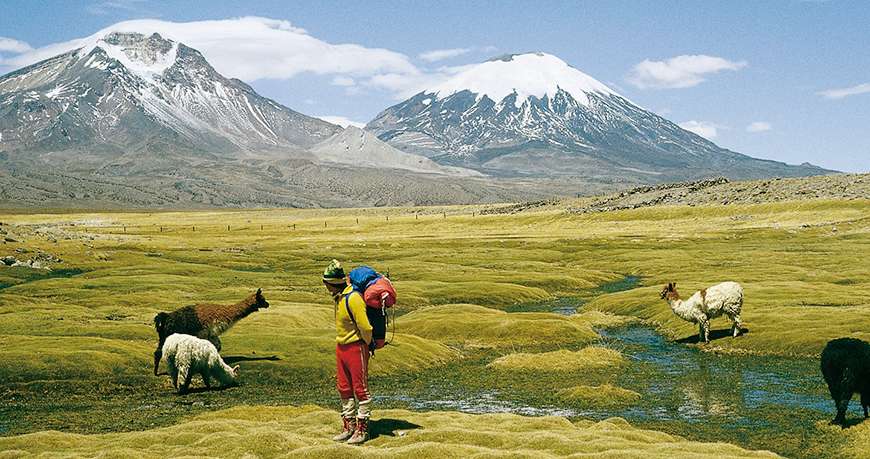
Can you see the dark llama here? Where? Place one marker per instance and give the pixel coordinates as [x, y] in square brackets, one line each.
[846, 368]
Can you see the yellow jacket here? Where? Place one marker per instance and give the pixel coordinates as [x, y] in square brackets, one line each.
[346, 332]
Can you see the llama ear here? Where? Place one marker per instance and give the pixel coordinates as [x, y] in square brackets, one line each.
[259, 292]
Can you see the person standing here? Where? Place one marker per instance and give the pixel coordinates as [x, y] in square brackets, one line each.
[353, 337]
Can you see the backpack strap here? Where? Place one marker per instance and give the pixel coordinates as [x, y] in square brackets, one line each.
[350, 314]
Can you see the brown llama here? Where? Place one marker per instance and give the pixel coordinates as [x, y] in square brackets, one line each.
[206, 321]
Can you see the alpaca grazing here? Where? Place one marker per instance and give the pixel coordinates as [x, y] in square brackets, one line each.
[188, 355]
[725, 298]
[846, 368]
[205, 321]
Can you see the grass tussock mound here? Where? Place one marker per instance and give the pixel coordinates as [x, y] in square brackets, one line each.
[266, 431]
[27, 358]
[592, 357]
[603, 396]
[853, 442]
[473, 325]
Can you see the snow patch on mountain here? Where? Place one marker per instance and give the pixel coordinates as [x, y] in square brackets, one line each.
[532, 74]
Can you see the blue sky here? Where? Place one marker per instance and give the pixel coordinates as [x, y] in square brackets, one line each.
[787, 80]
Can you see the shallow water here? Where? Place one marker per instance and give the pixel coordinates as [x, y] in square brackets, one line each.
[764, 402]
[677, 383]
[700, 386]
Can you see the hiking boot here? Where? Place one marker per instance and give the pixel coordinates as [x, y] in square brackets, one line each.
[347, 430]
[361, 434]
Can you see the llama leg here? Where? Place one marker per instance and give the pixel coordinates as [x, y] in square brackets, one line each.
[705, 330]
[842, 394]
[158, 354]
[736, 325]
[864, 402]
[842, 406]
[700, 332]
[173, 370]
[205, 379]
[185, 375]
[173, 373]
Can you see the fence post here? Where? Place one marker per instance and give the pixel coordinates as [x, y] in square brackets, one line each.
[228, 227]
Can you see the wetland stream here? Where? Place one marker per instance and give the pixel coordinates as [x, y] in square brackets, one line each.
[768, 402]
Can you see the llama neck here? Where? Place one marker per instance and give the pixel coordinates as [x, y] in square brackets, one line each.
[681, 308]
[244, 308]
[224, 317]
[223, 373]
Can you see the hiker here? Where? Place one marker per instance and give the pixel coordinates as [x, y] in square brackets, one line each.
[353, 338]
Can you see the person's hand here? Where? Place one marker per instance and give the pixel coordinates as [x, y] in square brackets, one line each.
[372, 347]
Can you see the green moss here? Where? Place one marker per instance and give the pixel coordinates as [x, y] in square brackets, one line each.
[602, 396]
[592, 357]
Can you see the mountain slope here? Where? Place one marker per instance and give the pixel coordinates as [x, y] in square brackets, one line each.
[128, 92]
[533, 114]
[356, 147]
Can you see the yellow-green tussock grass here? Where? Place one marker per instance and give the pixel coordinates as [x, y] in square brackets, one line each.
[474, 325]
[28, 358]
[602, 396]
[591, 357]
[282, 431]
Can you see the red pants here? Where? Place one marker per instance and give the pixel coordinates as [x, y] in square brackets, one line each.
[352, 376]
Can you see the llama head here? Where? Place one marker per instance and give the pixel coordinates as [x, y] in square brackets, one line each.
[259, 300]
[235, 371]
[669, 292]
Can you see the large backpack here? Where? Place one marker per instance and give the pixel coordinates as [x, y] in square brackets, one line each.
[379, 295]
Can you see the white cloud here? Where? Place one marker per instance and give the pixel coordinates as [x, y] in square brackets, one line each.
[759, 126]
[441, 54]
[846, 92]
[105, 7]
[341, 121]
[704, 129]
[252, 48]
[679, 72]
[343, 81]
[436, 55]
[14, 46]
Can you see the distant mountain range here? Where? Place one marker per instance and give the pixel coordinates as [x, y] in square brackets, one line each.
[133, 119]
[534, 115]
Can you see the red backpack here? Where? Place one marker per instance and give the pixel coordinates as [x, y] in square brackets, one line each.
[379, 296]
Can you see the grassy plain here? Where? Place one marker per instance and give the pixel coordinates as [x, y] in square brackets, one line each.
[76, 343]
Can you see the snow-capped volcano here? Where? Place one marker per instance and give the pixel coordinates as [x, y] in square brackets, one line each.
[525, 75]
[125, 92]
[533, 114]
